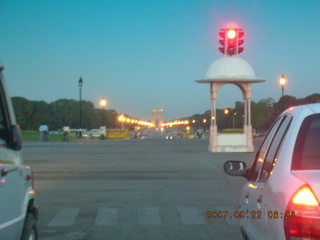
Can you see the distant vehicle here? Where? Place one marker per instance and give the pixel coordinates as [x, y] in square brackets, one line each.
[169, 137]
[170, 134]
[18, 206]
[281, 199]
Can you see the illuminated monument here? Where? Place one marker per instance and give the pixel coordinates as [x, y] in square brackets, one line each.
[231, 69]
[157, 117]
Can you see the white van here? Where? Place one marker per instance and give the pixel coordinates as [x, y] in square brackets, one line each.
[18, 207]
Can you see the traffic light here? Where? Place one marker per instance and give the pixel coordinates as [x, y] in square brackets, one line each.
[240, 41]
[231, 41]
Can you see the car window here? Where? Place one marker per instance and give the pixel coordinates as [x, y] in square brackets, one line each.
[4, 132]
[258, 162]
[271, 158]
[307, 151]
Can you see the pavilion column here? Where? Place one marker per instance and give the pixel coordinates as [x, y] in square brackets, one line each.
[248, 126]
[249, 112]
[213, 143]
[245, 122]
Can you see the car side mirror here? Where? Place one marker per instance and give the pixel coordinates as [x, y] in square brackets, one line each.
[16, 138]
[235, 168]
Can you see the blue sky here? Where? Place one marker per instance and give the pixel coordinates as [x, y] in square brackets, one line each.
[142, 55]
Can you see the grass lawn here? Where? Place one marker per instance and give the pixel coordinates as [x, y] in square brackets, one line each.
[35, 136]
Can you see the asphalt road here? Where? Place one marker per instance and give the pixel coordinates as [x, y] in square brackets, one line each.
[148, 189]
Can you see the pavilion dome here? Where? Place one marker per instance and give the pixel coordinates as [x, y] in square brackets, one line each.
[230, 68]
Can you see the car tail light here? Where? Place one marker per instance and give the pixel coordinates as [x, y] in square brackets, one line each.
[305, 222]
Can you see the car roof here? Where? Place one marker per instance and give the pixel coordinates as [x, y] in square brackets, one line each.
[313, 109]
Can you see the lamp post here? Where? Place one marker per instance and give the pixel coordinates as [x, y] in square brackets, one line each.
[188, 129]
[282, 82]
[233, 119]
[80, 83]
[103, 105]
[226, 113]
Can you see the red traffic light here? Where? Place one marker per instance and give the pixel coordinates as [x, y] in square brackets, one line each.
[231, 41]
[231, 34]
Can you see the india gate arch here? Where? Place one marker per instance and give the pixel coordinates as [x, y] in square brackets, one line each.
[156, 117]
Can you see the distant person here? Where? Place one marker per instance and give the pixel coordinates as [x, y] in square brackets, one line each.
[66, 131]
[44, 132]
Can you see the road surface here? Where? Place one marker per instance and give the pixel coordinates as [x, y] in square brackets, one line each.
[148, 189]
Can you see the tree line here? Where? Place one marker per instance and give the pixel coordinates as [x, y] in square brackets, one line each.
[263, 112]
[63, 112]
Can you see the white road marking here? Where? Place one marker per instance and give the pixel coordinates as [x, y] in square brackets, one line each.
[107, 216]
[149, 216]
[191, 215]
[65, 217]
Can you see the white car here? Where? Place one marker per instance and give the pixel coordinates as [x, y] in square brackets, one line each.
[18, 207]
[281, 197]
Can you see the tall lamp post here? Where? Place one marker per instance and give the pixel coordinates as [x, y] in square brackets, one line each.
[233, 120]
[226, 113]
[103, 105]
[80, 83]
[282, 82]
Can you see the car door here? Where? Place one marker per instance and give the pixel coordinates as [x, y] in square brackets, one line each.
[11, 179]
[261, 190]
[248, 198]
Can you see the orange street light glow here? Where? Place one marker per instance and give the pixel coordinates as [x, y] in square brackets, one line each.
[174, 123]
[122, 118]
[226, 111]
[103, 102]
[282, 80]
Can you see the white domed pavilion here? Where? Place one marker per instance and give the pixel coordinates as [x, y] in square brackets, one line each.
[237, 71]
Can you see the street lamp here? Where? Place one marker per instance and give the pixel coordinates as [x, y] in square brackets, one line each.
[188, 129]
[103, 104]
[226, 113]
[80, 83]
[233, 119]
[282, 82]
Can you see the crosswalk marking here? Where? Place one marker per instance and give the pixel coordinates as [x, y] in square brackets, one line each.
[191, 215]
[107, 216]
[65, 217]
[149, 216]
[231, 220]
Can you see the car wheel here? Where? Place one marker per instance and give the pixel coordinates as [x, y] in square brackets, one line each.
[30, 231]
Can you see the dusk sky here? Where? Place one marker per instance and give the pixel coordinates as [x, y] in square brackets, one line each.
[142, 55]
